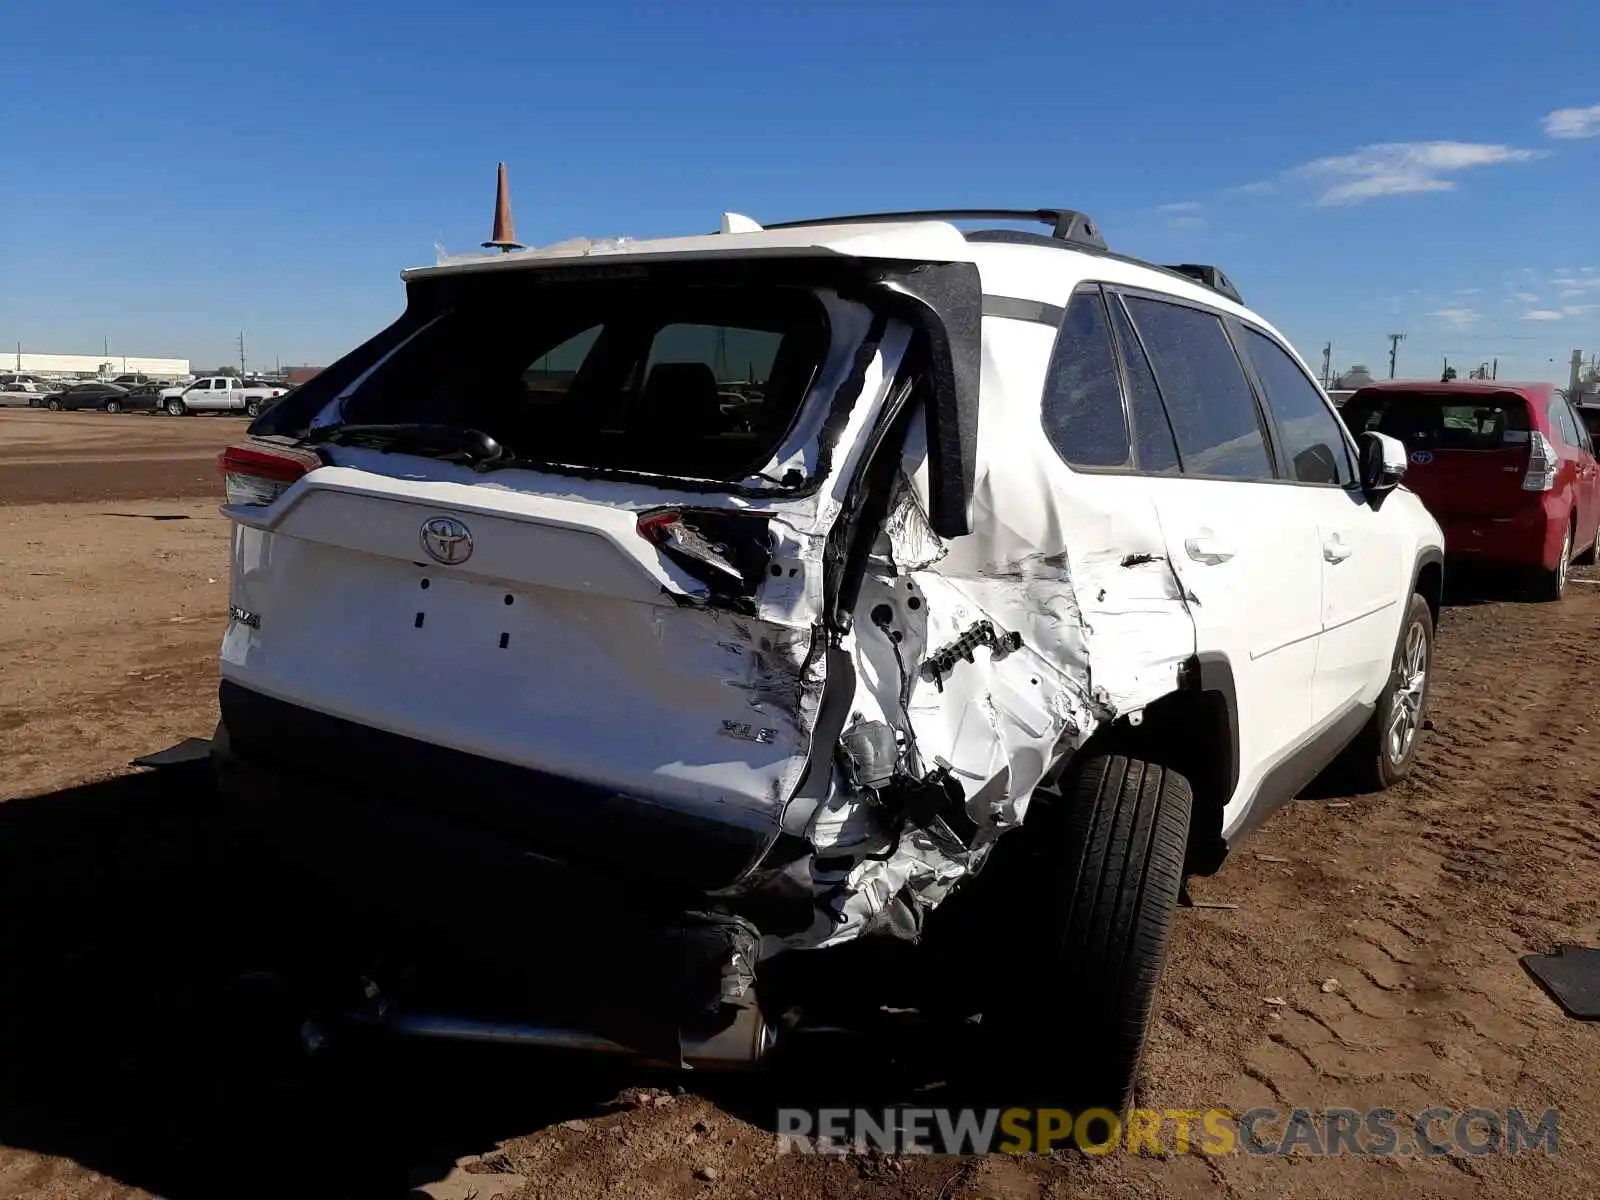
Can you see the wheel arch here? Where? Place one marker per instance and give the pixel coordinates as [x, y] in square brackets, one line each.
[1194, 730]
[1427, 579]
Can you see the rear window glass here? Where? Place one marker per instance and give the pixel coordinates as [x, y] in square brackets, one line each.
[702, 382]
[1442, 422]
[1082, 406]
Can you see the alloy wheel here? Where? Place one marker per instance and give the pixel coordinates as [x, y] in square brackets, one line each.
[1411, 679]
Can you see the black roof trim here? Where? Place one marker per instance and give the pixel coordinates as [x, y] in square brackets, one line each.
[1191, 272]
[1067, 226]
[1211, 277]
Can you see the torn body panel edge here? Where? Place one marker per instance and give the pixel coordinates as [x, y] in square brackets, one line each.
[981, 663]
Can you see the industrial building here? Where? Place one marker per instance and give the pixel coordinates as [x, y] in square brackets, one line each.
[91, 366]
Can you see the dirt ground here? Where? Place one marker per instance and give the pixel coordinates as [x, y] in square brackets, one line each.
[122, 1074]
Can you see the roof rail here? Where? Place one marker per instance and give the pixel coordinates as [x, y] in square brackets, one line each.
[1212, 277]
[1066, 225]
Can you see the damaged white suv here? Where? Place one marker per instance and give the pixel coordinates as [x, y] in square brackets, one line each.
[672, 613]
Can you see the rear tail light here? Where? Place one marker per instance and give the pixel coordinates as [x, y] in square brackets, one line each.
[723, 549]
[1542, 464]
[256, 473]
[656, 526]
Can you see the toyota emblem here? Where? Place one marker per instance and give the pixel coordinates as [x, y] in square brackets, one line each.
[446, 540]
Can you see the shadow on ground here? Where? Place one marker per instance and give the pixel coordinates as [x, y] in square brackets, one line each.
[129, 1045]
[1467, 586]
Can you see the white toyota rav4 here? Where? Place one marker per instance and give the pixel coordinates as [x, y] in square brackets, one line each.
[672, 613]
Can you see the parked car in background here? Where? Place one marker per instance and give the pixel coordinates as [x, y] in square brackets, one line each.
[103, 397]
[1508, 469]
[19, 395]
[219, 393]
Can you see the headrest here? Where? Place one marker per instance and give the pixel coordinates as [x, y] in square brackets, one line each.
[684, 392]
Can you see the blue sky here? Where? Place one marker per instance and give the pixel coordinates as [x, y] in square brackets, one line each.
[172, 172]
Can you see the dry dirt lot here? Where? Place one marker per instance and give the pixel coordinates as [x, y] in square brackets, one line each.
[122, 1075]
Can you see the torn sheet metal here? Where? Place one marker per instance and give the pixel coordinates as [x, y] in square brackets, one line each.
[994, 654]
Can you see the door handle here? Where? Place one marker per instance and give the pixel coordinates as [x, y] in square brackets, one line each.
[1336, 551]
[1204, 548]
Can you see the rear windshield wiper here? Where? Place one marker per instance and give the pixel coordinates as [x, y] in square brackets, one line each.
[451, 443]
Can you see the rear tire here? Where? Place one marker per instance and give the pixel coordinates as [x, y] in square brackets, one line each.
[1106, 871]
[1552, 584]
[113, 406]
[252, 408]
[1377, 759]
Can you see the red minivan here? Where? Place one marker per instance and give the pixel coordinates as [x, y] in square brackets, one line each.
[1507, 469]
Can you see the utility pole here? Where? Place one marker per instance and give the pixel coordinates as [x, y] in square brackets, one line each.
[1495, 370]
[1327, 365]
[241, 353]
[1394, 350]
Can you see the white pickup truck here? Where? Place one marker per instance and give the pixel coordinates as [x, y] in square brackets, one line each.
[219, 393]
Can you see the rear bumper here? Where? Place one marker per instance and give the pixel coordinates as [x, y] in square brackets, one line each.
[1527, 539]
[289, 771]
[651, 968]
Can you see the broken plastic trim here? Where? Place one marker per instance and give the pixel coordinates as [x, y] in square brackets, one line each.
[727, 551]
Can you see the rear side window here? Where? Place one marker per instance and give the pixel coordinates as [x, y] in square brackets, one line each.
[1154, 445]
[550, 375]
[1590, 420]
[1313, 443]
[1564, 423]
[1209, 401]
[1437, 421]
[1082, 405]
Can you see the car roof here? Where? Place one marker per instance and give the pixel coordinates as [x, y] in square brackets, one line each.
[1028, 267]
[1462, 387]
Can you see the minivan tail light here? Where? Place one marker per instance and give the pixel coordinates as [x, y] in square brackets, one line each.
[1542, 464]
[254, 474]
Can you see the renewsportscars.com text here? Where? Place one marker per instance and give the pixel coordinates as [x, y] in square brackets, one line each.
[1377, 1132]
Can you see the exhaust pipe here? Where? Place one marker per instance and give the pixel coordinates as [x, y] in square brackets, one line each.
[740, 1046]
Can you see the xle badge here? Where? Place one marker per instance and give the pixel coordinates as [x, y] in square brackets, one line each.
[748, 733]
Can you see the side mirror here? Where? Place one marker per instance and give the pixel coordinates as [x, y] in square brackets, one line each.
[1383, 463]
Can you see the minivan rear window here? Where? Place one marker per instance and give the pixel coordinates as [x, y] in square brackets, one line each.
[699, 382]
[1435, 421]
